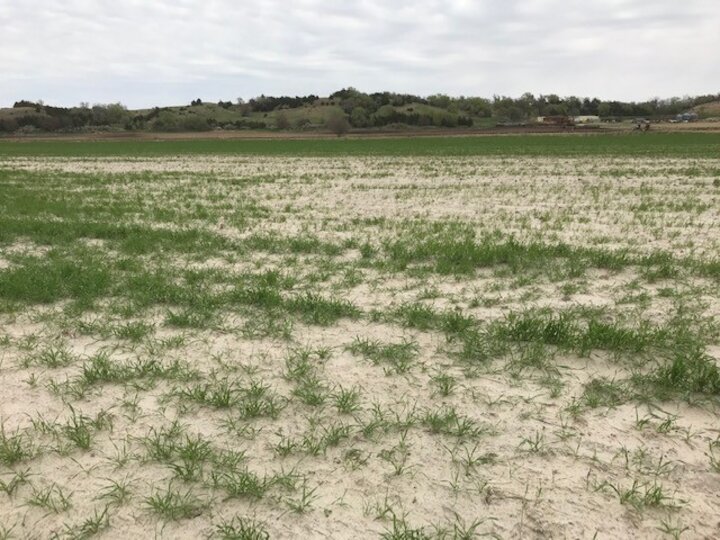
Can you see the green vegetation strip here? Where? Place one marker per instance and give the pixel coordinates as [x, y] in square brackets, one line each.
[454, 251]
[649, 145]
[84, 274]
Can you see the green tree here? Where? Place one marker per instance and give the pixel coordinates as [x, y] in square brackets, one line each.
[193, 122]
[359, 117]
[166, 121]
[475, 106]
[528, 105]
[573, 106]
[110, 114]
[556, 109]
[439, 100]
[506, 109]
[603, 110]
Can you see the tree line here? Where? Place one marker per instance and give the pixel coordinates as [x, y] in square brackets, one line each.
[361, 110]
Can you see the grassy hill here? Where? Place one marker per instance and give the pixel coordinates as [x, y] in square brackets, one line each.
[347, 108]
[308, 116]
[208, 116]
[708, 110]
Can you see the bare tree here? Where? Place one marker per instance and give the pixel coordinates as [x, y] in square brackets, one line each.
[282, 121]
[337, 123]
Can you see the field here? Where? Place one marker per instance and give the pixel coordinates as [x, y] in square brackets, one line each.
[681, 145]
[446, 338]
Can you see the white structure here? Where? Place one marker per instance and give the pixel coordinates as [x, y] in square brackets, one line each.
[587, 119]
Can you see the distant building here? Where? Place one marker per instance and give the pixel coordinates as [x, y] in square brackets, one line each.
[558, 120]
[587, 119]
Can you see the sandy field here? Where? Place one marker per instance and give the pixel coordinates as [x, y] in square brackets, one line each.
[345, 348]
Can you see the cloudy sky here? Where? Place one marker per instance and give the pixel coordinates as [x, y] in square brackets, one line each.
[165, 52]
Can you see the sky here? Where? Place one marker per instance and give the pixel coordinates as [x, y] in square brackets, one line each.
[167, 52]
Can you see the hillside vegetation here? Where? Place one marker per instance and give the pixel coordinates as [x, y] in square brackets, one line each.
[341, 111]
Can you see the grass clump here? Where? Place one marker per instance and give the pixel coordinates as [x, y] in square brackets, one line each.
[688, 372]
[416, 315]
[315, 309]
[133, 331]
[14, 448]
[241, 529]
[347, 400]
[174, 505]
[398, 356]
[640, 495]
[584, 332]
[80, 428]
[101, 368]
[257, 400]
[241, 484]
[52, 499]
[311, 391]
[53, 356]
[601, 392]
[447, 421]
[91, 526]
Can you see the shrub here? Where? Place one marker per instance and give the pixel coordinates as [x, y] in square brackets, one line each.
[337, 123]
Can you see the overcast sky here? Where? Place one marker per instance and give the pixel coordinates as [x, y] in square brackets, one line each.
[163, 52]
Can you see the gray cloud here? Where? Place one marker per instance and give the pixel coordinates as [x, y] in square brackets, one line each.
[166, 52]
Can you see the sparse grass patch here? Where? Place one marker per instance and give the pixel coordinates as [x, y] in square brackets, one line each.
[50, 357]
[447, 421]
[640, 495]
[52, 499]
[601, 392]
[90, 526]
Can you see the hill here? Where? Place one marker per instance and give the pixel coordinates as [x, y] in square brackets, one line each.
[223, 115]
[708, 110]
[342, 110]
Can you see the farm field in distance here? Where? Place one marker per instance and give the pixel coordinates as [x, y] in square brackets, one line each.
[441, 338]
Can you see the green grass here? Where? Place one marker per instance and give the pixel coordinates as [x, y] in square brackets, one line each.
[241, 529]
[52, 499]
[687, 372]
[46, 280]
[14, 448]
[655, 144]
[131, 239]
[450, 248]
[315, 309]
[173, 505]
[398, 356]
